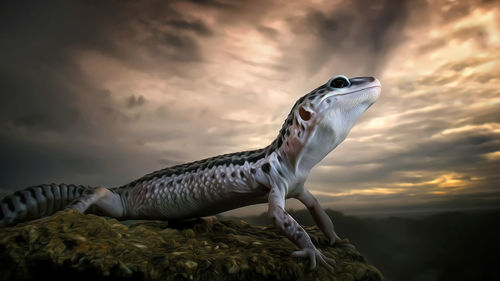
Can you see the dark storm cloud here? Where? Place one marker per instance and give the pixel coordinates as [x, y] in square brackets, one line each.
[476, 33]
[268, 31]
[197, 26]
[38, 72]
[453, 10]
[134, 101]
[224, 5]
[461, 65]
[87, 160]
[363, 30]
[46, 29]
[44, 90]
[238, 11]
[486, 115]
[35, 96]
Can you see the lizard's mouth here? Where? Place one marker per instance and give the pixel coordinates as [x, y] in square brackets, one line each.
[372, 85]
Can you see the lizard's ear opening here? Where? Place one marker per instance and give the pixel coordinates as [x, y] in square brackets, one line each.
[304, 114]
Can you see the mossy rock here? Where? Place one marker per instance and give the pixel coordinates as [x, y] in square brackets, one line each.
[73, 246]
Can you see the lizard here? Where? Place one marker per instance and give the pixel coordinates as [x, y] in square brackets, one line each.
[317, 123]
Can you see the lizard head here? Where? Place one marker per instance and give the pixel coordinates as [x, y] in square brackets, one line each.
[321, 119]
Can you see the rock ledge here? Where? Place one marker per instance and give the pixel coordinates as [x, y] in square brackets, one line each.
[72, 246]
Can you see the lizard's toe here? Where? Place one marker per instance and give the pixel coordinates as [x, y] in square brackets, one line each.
[332, 241]
[326, 262]
[307, 253]
[313, 255]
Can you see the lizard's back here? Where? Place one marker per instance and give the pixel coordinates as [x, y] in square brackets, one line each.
[200, 188]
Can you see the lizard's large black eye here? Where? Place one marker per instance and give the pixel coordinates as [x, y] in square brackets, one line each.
[338, 82]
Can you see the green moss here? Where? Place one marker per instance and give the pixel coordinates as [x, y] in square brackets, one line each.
[72, 246]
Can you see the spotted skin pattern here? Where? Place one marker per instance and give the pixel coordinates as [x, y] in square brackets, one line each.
[317, 123]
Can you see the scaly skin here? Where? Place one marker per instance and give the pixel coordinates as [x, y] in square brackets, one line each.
[318, 122]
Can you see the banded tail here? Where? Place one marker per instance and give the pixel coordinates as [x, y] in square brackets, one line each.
[38, 201]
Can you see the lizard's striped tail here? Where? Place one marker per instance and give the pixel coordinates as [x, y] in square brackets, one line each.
[38, 201]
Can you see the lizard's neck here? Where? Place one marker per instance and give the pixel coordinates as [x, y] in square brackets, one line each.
[300, 158]
[296, 146]
[300, 148]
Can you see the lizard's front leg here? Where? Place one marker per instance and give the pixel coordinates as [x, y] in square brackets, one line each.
[294, 231]
[322, 220]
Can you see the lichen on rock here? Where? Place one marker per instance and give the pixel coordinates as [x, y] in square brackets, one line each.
[74, 246]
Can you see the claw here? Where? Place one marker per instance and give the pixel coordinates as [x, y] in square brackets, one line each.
[329, 260]
[334, 238]
[332, 241]
[299, 254]
[313, 255]
[312, 258]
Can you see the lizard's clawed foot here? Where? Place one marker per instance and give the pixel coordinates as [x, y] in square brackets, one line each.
[333, 238]
[313, 255]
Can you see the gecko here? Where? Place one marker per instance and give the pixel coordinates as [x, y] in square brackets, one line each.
[317, 123]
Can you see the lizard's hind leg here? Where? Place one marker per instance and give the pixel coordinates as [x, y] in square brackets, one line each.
[107, 201]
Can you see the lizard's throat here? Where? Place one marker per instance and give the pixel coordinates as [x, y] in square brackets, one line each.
[302, 154]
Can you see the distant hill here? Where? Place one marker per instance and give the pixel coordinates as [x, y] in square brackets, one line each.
[447, 246]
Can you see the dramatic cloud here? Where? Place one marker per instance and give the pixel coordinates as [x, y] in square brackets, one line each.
[102, 93]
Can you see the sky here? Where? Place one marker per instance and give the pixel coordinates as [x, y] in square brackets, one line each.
[102, 92]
